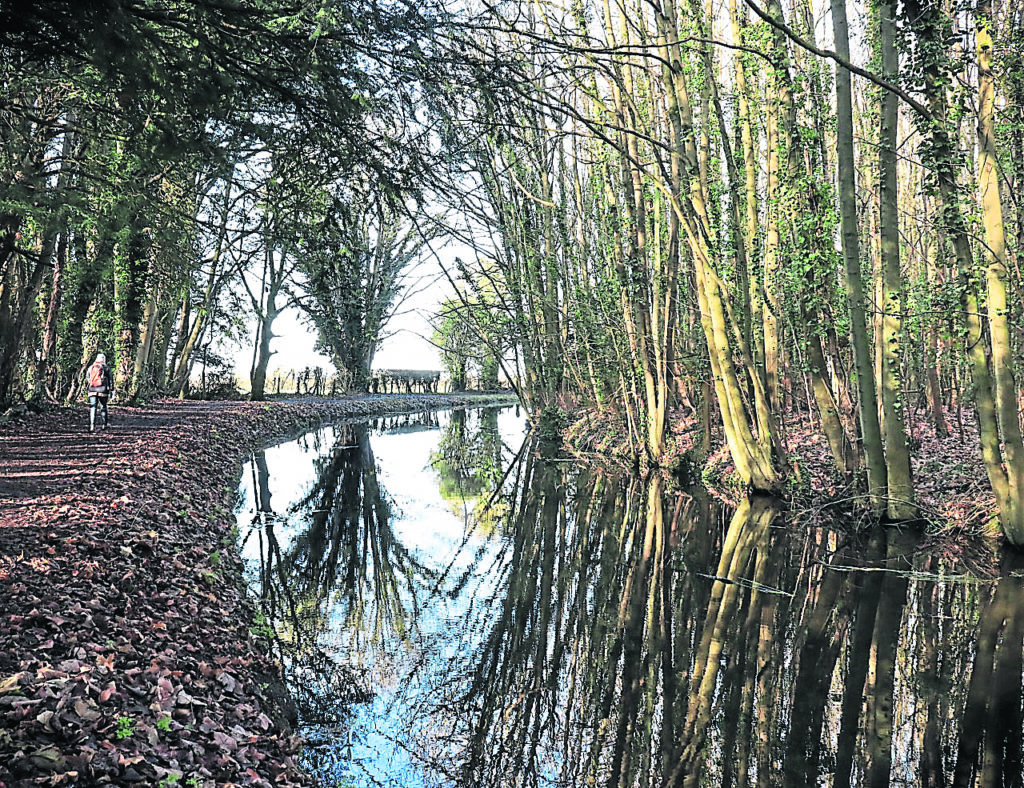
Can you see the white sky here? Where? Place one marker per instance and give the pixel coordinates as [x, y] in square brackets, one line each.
[407, 347]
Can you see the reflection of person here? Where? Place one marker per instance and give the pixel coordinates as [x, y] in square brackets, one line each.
[100, 381]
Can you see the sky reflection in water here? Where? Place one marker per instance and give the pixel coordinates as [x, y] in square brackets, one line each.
[429, 481]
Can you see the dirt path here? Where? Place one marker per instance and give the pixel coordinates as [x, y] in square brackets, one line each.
[47, 455]
[126, 655]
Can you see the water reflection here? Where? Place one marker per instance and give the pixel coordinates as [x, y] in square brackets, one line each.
[618, 631]
[407, 422]
[342, 564]
[469, 460]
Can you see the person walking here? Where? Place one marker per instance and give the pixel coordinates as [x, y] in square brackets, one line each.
[100, 380]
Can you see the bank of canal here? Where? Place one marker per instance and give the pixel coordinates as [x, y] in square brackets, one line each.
[128, 653]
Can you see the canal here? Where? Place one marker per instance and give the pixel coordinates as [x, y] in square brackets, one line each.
[455, 610]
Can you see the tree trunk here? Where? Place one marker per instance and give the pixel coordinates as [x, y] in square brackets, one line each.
[267, 316]
[900, 492]
[993, 402]
[131, 274]
[752, 455]
[867, 402]
[19, 287]
[770, 329]
[931, 348]
[996, 274]
[143, 378]
[47, 367]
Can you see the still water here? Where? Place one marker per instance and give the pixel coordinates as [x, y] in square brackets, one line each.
[454, 610]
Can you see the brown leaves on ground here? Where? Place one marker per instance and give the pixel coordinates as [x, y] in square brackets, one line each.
[950, 483]
[125, 650]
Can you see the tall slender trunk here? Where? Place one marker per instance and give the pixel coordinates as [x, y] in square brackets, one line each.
[183, 330]
[750, 203]
[900, 490]
[268, 312]
[997, 305]
[931, 347]
[142, 376]
[752, 455]
[867, 403]
[47, 368]
[647, 280]
[800, 195]
[994, 395]
[162, 342]
[771, 340]
[131, 275]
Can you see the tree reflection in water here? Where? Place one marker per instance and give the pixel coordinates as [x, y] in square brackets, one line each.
[469, 460]
[343, 565]
[639, 639]
[618, 631]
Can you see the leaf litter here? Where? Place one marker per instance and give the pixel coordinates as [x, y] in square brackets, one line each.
[127, 653]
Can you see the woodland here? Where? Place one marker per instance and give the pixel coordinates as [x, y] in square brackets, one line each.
[738, 213]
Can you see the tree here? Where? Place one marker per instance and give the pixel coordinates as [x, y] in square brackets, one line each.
[454, 338]
[121, 119]
[995, 394]
[867, 411]
[900, 489]
[357, 258]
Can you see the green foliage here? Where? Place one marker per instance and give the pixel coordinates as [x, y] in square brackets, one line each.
[551, 423]
[132, 130]
[125, 727]
[930, 38]
[808, 226]
[356, 256]
[468, 459]
[456, 337]
[261, 627]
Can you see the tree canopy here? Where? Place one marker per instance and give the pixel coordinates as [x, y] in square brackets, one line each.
[725, 213]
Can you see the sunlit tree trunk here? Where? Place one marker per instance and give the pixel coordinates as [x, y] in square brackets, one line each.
[741, 324]
[994, 400]
[737, 18]
[648, 281]
[268, 312]
[772, 341]
[147, 334]
[752, 454]
[997, 306]
[900, 490]
[867, 403]
[931, 345]
[798, 193]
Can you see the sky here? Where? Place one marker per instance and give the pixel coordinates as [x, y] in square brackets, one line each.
[407, 347]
